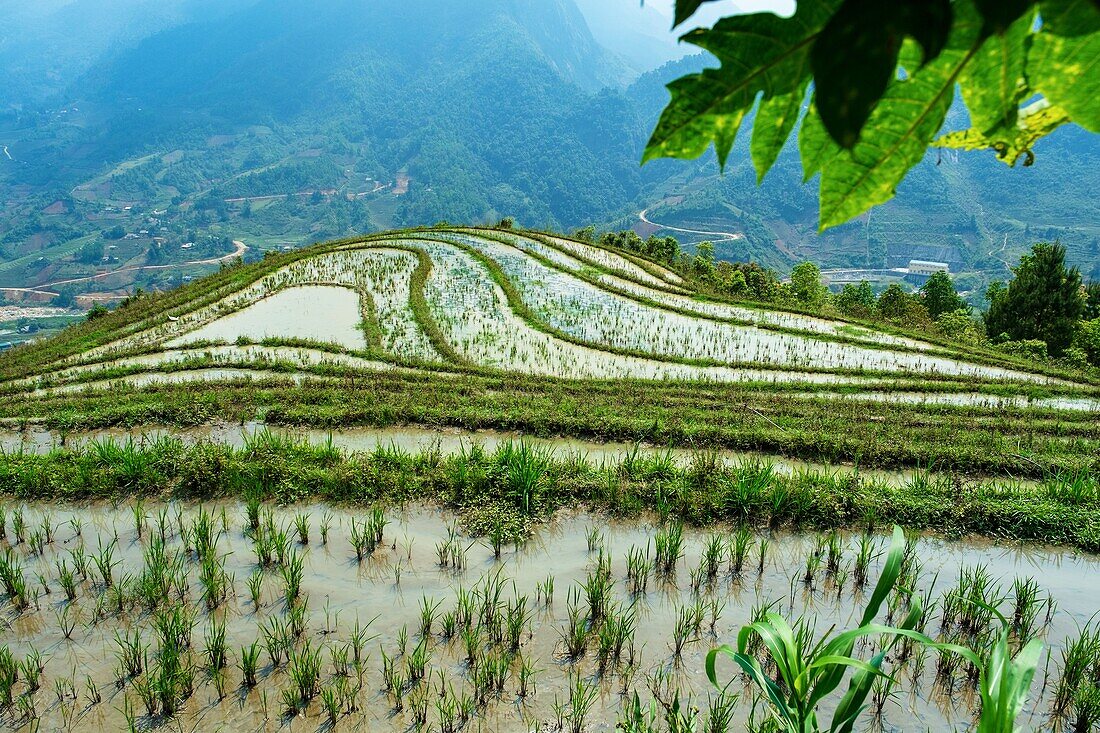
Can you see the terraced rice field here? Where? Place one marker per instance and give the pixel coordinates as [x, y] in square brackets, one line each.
[514, 302]
[459, 479]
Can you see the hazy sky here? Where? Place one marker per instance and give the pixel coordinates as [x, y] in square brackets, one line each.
[783, 7]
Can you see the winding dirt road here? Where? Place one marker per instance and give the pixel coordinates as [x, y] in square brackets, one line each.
[725, 236]
[239, 248]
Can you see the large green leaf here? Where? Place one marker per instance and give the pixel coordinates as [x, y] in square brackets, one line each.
[856, 56]
[1070, 17]
[761, 54]
[900, 129]
[1011, 143]
[686, 8]
[994, 79]
[775, 119]
[815, 146]
[1066, 69]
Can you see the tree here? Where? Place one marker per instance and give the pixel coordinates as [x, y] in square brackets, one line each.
[884, 76]
[939, 296]
[959, 326]
[855, 300]
[806, 283]
[893, 303]
[1092, 301]
[1088, 340]
[1043, 302]
[91, 253]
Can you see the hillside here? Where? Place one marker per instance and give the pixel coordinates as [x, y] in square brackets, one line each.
[261, 122]
[496, 313]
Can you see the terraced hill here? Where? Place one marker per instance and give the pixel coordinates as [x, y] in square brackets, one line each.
[522, 330]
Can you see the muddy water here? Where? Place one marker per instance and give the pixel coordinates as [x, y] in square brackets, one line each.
[325, 313]
[341, 591]
[412, 440]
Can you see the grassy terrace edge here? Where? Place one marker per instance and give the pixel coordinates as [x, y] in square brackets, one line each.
[523, 483]
[965, 440]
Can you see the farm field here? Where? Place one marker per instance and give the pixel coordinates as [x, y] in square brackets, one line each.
[483, 479]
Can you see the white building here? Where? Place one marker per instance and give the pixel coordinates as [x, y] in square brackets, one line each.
[926, 268]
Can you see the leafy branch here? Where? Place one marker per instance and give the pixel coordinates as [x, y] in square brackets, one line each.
[881, 78]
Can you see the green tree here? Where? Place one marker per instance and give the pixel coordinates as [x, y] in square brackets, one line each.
[806, 283]
[884, 75]
[1044, 302]
[856, 300]
[1092, 301]
[897, 305]
[960, 326]
[939, 296]
[1088, 340]
[91, 253]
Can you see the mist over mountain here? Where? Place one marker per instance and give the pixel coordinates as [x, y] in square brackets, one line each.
[282, 122]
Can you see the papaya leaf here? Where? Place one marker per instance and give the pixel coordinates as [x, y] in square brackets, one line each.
[856, 56]
[1066, 69]
[993, 82]
[1010, 143]
[685, 9]
[899, 130]
[775, 119]
[1070, 17]
[815, 147]
[1000, 15]
[760, 53]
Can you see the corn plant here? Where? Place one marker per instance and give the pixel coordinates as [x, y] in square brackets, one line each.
[806, 676]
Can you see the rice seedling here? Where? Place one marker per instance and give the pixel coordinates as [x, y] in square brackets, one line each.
[301, 525]
[765, 544]
[865, 553]
[544, 592]
[30, 669]
[638, 568]
[527, 674]
[668, 544]
[594, 538]
[740, 544]
[138, 510]
[516, 619]
[252, 513]
[417, 661]
[575, 636]
[255, 585]
[215, 651]
[18, 525]
[582, 696]
[720, 713]
[292, 572]
[105, 562]
[1080, 670]
[429, 610]
[9, 675]
[326, 525]
[66, 621]
[331, 704]
[713, 553]
[248, 664]
[689, 622]
[304, 671]
[13, 579]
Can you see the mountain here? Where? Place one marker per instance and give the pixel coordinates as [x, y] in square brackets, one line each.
[46, 45]
[152, 131]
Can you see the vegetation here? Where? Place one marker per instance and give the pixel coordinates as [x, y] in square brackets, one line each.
[884, 78]
[1044, 302]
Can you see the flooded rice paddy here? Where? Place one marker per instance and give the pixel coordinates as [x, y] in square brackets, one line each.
[416, 440]
[270, 617]
[641, 326]
[324, 313]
